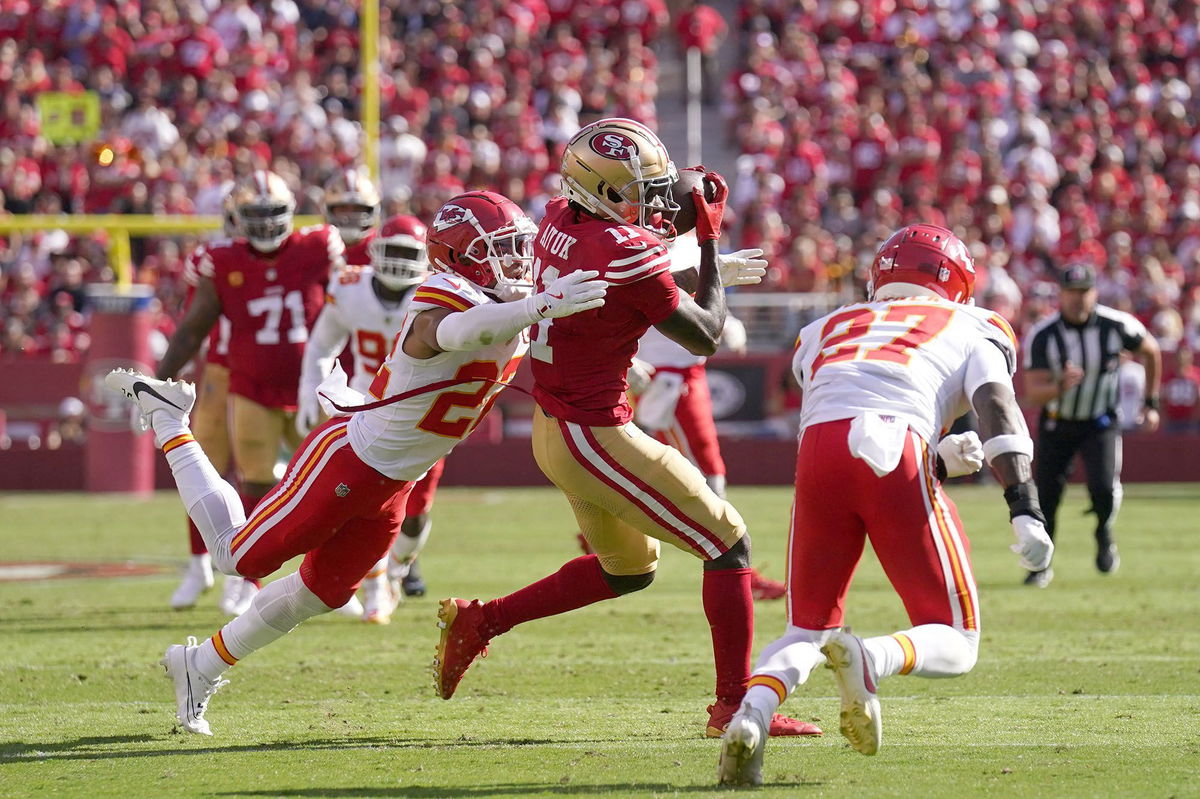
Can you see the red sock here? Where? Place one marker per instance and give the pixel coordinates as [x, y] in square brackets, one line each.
[578, 583]
[729, 607]
[197, 541]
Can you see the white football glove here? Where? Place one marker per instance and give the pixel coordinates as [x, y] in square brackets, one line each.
[138, 422]
[1033, 543]
[742, 268]
[308, 414]
[570, 294]
[639, 376]
[962, 454]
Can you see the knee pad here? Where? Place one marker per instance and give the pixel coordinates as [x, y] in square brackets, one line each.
[736, 557]
[622, 584]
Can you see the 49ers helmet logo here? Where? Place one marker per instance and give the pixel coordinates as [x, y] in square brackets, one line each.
[449, 216]
[617, 146]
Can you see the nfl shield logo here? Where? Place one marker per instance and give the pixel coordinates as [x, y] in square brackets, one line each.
[342, 490]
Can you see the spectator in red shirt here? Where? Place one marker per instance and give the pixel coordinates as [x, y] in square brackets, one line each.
[702, 27]
[1181, 393]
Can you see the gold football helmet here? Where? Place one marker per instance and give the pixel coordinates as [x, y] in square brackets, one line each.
[264, 207]
[618, 168]
[352, 203]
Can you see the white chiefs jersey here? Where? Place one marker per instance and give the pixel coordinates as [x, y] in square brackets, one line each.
[917, 359]
[404, 439]
[363, 320]
[657, 350]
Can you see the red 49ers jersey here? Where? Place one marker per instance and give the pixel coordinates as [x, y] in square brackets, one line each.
[580, 361]
[271, 301]
[359, 253]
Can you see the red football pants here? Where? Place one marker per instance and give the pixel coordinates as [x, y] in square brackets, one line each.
[420, 501]
[913, 526]
[337, 511]
[694, 432]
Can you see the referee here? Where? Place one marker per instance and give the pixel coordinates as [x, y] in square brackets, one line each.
[1071, 363]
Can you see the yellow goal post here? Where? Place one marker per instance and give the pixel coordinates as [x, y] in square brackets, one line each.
[121, 228]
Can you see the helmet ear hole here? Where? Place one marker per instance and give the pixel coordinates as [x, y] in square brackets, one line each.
[612, 195]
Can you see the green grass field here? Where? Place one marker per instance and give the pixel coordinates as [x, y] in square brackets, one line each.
[1088, 688]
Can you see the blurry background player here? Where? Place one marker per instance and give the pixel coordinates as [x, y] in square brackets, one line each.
[352, 206]
[627, 490]
[882, 380]
[676, 407]
[270, 284]
[365, 307]
[337, 504]
[210, 425]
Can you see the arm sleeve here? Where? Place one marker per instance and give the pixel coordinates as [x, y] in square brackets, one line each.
[1133, 332]
[485, 324]
[325, 342]
[985, 364]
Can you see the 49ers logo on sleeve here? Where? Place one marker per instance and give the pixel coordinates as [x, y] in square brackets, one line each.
[450, 215]
[617, 146]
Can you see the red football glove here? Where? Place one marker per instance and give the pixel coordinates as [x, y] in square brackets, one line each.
[709, 214]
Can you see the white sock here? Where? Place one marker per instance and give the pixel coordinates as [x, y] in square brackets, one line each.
[406, 548]
[785, 663]
[211, 502]
[276, 610]
[928, 650]
[166, 427]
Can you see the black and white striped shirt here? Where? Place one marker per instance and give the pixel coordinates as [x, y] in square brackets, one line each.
[1095, 347]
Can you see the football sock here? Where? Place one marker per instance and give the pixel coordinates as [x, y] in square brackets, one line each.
[195, 540]
[785, 663]
[406, 548]
[730, 611]
[276, 610]
[717, 483]
[212, 504]
[578, 583]
[929, 650]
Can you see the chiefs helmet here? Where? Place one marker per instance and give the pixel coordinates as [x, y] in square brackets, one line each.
[923, 258]
[229, 216]
[484, 237]
[398, 253]
[263, 206]
[352, 203]
[618, 168]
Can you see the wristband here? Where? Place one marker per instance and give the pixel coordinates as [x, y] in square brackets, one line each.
[1150, 403]
[1022, 500]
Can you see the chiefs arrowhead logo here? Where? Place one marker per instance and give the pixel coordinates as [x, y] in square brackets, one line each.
[448, 216]
[617, 146]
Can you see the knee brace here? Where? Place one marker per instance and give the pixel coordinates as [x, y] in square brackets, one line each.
[622, 584]
[736, 557]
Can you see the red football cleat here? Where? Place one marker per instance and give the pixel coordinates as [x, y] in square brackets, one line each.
[460, 643]
[765, 588]
[721, 713]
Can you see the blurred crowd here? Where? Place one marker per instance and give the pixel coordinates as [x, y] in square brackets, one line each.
[482, 93]
[1044, 132]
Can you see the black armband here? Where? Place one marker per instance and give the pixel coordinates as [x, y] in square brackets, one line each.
[1150, 403]
[1022, 500]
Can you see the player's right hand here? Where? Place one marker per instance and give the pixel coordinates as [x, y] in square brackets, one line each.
[710, 214]
[1033, 543]
[572, 293]
[308, 414]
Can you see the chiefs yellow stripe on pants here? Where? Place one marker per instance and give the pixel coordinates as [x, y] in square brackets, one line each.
[627, 489]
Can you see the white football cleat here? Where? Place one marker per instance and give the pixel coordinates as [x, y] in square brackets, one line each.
[742, 748]
[353, 608]
[196, 580]
[378, 600]
[192, 689]
[860, 721]
[173, 397]
[237, 595]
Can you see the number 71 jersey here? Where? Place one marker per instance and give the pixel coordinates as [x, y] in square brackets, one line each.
[271, 301]
[909, 358]
[404, 439]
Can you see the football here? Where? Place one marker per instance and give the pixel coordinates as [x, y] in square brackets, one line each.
[681, 193]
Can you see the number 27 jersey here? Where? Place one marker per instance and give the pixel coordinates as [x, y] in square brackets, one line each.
[404, 439]
[909, 358]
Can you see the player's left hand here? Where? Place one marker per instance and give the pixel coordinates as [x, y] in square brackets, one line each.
[962, 454]
[572, 293]
[1033, 543]
[742, 268]
[1149, 419]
